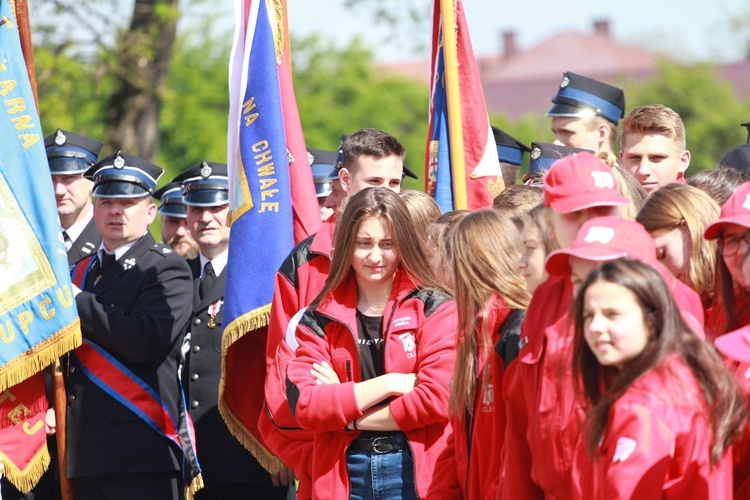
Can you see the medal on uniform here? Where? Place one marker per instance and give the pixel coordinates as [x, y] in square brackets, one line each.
[213, 310]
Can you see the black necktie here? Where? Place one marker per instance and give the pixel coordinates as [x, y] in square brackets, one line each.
[208, 280]
[107, 260]
[68, 241]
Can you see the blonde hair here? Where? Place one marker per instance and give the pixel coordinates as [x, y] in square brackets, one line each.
[627, 185]
[436, 233]
[482, 248]
[674, 203]
[655, 119]
[423, 210]
[384, 204]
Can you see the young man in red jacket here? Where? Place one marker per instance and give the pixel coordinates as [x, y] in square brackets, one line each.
[369, 158]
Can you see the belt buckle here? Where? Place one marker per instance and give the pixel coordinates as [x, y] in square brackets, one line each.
[381, 445]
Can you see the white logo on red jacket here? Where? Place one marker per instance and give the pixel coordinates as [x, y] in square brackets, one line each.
[625, 448]
[409, 342]
[407, 320]
[488, 399]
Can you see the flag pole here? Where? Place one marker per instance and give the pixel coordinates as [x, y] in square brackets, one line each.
[60, 398]
[455, 132]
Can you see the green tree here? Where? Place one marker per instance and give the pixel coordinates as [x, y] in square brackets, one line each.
[339, 91]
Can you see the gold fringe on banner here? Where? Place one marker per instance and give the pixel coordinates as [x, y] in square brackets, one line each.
[40, 356]
[246, 323]
[26, 480]
[194, 487]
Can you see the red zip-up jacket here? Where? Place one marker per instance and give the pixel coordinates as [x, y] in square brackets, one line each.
[741, 449]
[299, 280]
[419, 332]
[657, 444]
[470, 466]
[543, 417]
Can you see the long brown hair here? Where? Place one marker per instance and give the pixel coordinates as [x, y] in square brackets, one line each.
[725, 403]
[381, 203]
[667, 208]
[482, 248]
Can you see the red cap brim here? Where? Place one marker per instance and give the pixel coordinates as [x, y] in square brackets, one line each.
[558, 262]
[577, 202]
[714, 229]
[735, 345]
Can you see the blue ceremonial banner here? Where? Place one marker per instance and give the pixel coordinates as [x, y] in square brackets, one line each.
[273, 205]
[38, 317]
[439, 176]
[260, 199]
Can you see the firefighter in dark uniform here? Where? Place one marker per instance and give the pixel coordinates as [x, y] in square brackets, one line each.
[69, 156]
[229, 470]
[134, 309]
[174, 230]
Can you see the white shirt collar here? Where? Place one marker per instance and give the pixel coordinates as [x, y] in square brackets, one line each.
[76, 229]
[219, 262]
[119, 252]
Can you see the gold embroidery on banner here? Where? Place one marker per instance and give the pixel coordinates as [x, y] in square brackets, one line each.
[276, 17]
[24, 266]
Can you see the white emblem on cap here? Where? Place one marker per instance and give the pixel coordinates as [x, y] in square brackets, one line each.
[603, 179]
[60, 138]
[119, 161]
[746, 205]
[625, 447]
[599, 234]
[205, 170]
[536, 153]
[565, 82]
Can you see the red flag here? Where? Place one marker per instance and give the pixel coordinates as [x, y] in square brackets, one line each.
[463, 170]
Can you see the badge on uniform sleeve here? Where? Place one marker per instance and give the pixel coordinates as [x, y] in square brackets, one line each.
[213, 310]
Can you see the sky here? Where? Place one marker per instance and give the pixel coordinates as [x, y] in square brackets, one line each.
[688, 30]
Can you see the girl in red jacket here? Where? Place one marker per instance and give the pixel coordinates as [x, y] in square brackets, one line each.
[662, 409]
[374, 354]
[491, 297]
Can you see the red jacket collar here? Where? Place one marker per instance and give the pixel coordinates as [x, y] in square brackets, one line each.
[322, 242]
[341, 304]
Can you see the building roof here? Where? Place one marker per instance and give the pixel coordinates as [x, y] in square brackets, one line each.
[517, 82]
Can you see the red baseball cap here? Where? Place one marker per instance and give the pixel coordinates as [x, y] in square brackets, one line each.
[735, 345]
[603, 239]
[736, 210]
[581, 181]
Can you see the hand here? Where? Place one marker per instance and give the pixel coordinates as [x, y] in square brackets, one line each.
[284, 477]
[50, 422]
[401, 383]
[324, 374]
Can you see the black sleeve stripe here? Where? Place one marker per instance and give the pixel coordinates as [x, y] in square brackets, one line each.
[298, 257]
[432, 299]
[292, 396]
[315, 322]
[510, 333]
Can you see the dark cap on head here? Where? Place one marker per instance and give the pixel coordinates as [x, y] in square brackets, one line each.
[122, 175]
[543, 155]
[737, 158]
[170, 197]
[509, 149]
[205, 185]
[580, 96]
[324, 171]
[69, 153]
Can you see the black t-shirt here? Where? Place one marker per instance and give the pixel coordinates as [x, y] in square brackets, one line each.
[370, 346]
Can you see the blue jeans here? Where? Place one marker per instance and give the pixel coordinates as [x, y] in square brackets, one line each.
[380, 476]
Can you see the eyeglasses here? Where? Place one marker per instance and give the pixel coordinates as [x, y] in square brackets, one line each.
[731, 244]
